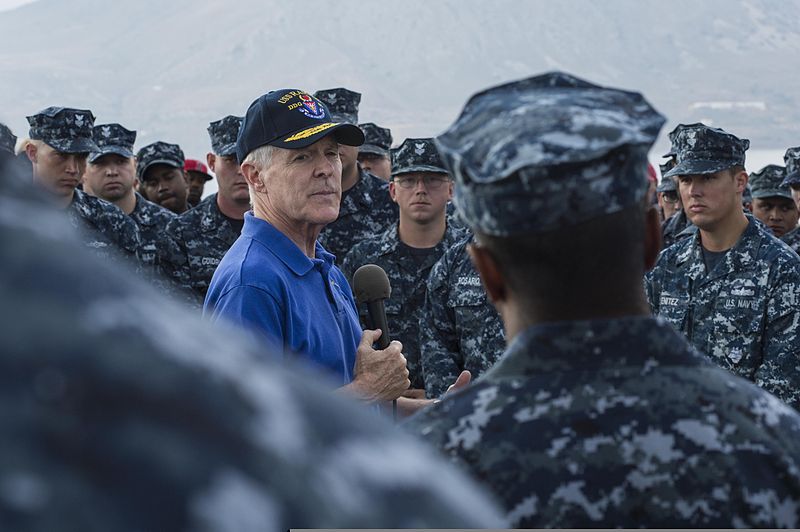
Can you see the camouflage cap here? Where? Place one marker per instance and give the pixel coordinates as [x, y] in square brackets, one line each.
[223, 133]
[64, 129]
[706, 150]
[378, 140]
[112, 138]
[667, 184]
[8, 140]
[342, 104]
[768, 182]
[792, 160]
[417, 155]
[548, 152]
[671, 135]
[158, 153]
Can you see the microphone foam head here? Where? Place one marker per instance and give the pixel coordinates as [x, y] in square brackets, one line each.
[370, 283]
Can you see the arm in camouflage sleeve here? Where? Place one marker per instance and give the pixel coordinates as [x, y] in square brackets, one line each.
[779, 372]
[174, 259]
[650, 290]
[439, 347]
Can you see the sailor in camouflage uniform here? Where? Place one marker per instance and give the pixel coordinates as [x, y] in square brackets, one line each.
[678, 226]
[773, 204]
[598, 415]
[792, 180]
[60, 141]
[121, 412]
[667, 193]
[366, 209]
[8, 140]
[459, 329]
[110, 175]
[205, 233]
[374, 155]
[408, 250]
[732, 288]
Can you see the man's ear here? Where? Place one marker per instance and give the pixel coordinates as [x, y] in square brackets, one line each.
[186, 177]
[211, 158]
[393, 190]
[252, 176]
[493, 281]
[741, 178]
[31, 150]
[652, 238]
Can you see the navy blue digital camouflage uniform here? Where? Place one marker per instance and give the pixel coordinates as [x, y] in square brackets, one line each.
[151, 219]
[769, 183]
[121, 411]
[203, 234]
[8, 140]
[407, 275]
[408, 279]
[104, 228]
[366, 209]
[675, 227]
[606, 422]
[459, 328]
[744, 313]
[792, 180]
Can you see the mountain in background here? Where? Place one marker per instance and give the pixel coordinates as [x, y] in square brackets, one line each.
[168, 67]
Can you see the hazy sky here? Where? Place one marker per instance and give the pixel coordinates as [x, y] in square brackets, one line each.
[5, 5]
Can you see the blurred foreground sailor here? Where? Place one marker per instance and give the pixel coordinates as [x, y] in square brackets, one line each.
[597, 414]
[119, 411]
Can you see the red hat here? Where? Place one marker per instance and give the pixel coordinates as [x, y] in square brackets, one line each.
[193, 165]
[651, 173]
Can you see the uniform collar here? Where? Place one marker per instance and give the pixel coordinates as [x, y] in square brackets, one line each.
[739, 258]
[591, 345]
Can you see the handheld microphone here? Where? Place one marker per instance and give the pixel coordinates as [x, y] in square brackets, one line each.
[371, 286]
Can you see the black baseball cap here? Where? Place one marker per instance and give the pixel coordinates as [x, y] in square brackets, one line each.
[291, 119]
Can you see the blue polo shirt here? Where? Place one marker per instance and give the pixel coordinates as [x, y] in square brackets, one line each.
[296, 305]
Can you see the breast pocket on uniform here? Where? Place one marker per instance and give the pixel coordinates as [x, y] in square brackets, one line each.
[468, 292]
[737, 328]
[673, 307]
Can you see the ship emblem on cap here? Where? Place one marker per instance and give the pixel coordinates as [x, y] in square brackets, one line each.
[419, 148]
[311, 108]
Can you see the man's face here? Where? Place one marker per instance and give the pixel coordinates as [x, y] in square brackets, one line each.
[230, 180]
[796, 194]
[57, 172]
[669, 202]
[167, 186]
[303, 187]
[711, 198]
[110, 177]
[379, 165]
[777, 213]
[349, 156]
[421, 196]
[197, 181]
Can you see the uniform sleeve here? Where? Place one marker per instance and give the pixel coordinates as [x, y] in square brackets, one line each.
[779, 372]
[439, 351]
[652, 288]
[254, 311]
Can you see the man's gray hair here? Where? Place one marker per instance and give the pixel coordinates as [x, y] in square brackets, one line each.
[261, 156]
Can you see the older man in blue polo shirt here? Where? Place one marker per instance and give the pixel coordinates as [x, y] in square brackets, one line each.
[277, 280]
